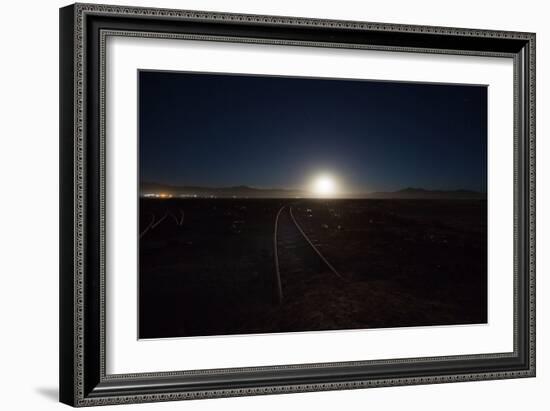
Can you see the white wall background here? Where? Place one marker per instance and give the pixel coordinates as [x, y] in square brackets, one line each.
[29, 204]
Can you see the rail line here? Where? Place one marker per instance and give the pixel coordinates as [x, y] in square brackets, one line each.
[276, 256]
[321, 256]
[159, 221]
[154, 223]
[148, 227]
[276, 253]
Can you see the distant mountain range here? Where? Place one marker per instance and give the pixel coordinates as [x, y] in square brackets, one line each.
[251, 192]
[420, 193]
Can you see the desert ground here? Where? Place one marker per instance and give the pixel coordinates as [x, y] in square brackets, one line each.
[241, 266]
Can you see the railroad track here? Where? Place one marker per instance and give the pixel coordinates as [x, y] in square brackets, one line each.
[296, 255]
[148, 227]
[298, 261]
[178, 217]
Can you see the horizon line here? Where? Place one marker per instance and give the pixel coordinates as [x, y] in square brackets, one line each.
[346, 193]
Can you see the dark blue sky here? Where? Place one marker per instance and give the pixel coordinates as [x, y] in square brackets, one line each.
[279, 132]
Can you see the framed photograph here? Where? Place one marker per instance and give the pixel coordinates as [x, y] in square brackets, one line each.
[261, 204]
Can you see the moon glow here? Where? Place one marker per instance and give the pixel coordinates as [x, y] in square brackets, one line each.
[324, 186]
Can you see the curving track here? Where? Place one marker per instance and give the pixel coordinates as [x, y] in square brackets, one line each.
[299, 263]
[178, 218]
[296, 255]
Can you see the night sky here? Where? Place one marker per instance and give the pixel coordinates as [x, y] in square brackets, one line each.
[279, 132]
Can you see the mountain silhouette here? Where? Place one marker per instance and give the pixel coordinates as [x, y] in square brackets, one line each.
[244, 191]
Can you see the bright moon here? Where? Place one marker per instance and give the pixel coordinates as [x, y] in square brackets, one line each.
[324, 186]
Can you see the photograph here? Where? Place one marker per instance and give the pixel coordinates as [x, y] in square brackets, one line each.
[286, 201]
[278, 204]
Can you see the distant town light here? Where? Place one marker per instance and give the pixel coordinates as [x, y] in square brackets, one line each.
[164, 195]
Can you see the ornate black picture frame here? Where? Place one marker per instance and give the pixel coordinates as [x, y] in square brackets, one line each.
[83, 31]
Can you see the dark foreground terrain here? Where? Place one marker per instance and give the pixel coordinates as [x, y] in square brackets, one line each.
[216, 266]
